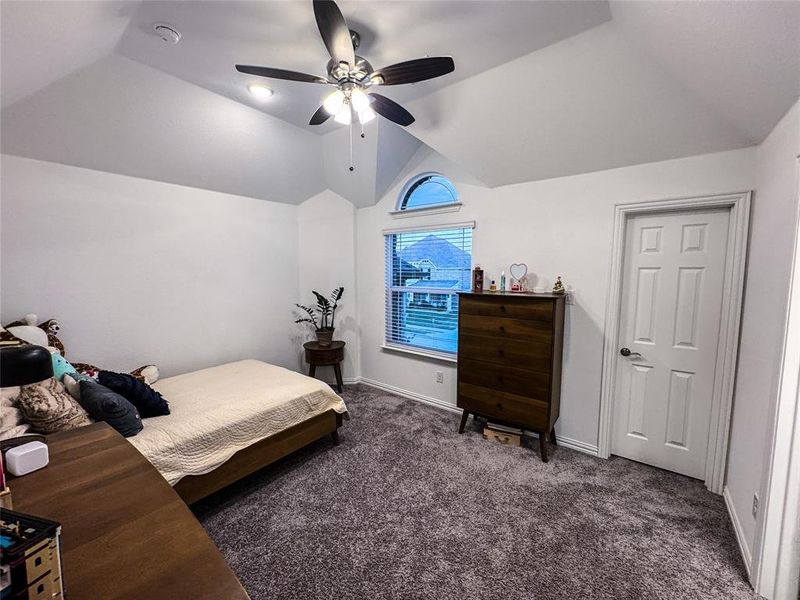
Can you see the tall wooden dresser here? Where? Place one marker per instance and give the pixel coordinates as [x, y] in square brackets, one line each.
[509, 359]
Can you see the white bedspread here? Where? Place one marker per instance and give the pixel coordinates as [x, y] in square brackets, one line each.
[218, 411]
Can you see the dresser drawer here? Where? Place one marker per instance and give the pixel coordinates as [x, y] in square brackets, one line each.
[528, 355]
[515, 329]
[507, 306]
[503, 406]
[505, 378]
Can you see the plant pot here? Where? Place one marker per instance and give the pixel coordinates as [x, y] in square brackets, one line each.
[325, 337]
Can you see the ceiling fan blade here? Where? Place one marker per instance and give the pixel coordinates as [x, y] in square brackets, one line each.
[319, 117]
[334, 31]
[412, 71]
[280, 74]
[391, 110]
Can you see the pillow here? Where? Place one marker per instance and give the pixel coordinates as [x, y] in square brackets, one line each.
[61, 367]
[29, 333]
[10, 393]
[11, 422]
[104, 405]
[9, 339]
[48, 408]
[72, 381]
[148, 401]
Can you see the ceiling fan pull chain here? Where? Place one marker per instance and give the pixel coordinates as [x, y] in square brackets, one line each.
[362, 129]
[352, 166]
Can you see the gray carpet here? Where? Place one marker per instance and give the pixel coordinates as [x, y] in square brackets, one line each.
[407, 508]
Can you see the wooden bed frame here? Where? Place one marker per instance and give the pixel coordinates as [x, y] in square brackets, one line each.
[249, 460]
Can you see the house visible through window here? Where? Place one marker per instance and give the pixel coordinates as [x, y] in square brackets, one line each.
[427, 191]
[425, 270]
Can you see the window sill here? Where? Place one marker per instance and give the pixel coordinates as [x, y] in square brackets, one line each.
[433, 210]
[451, 358]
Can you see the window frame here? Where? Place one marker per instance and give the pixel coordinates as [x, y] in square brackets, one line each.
[408, 188]
[390, 289]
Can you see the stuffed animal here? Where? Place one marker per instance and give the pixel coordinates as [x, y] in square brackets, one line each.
[51, 327]
[25, 331]
[147, 374]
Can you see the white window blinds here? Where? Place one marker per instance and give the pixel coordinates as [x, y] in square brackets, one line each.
[425, 270]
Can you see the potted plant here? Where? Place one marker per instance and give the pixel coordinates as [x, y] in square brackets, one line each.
[326, 310]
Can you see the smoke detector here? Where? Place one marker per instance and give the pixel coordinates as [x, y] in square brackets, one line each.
[167, 33]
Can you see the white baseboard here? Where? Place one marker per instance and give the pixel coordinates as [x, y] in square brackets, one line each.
[435, 402]
[737, 529]
[578, 445]
[411, 395]
[345, 380]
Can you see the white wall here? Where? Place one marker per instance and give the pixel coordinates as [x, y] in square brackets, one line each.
[772, 233]
[140, 272]
[326, 260]
[558, 227]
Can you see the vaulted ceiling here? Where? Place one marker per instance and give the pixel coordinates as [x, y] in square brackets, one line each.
[541, 89]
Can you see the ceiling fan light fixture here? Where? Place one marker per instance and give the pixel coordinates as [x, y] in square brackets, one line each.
[334, 102]
[359, 100]
[366, 115]
[344, 116]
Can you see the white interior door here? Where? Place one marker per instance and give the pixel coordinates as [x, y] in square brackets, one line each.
[673, 275]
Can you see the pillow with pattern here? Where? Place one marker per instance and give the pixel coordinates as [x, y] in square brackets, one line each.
[48, 408]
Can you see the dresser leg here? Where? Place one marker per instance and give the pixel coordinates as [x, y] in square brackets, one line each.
[464, 418]
[553, 437]
[335, 437]
[543, 446]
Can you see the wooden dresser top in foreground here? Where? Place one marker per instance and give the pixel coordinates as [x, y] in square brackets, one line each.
[125, 533]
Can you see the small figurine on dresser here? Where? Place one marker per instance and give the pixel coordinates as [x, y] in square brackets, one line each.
[558, 287]
[477, 279]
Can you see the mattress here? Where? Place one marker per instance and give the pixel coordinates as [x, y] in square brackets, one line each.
[218, 411]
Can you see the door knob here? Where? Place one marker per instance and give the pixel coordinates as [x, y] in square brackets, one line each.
[627, 352]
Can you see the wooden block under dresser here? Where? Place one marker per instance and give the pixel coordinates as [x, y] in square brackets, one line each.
[509, 359]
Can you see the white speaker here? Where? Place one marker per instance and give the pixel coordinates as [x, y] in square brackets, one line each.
[27, 458]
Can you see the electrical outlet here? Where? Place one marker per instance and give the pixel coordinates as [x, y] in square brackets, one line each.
[439, 377]
[755, 506]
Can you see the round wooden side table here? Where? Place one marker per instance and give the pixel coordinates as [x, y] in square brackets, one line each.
[322, 356]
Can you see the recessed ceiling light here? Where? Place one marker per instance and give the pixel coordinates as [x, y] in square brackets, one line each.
[260, 91]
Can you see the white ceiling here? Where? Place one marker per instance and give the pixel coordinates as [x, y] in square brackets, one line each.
[541, 89]
[741, 58]
[218, 35]
[42, 42]
[588, 103]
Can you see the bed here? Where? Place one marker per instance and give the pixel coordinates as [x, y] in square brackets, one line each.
[231, 420]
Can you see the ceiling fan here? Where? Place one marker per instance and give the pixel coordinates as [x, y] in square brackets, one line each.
[353, 75]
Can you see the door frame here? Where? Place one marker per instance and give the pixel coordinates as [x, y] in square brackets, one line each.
[728, 344]
[776, 557]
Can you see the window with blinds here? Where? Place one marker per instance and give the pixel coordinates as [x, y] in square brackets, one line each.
[425, 270]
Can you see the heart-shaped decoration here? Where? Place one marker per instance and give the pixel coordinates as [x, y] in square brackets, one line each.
[518, 270]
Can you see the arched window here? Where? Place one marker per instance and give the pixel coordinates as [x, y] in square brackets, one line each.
[428, 190]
